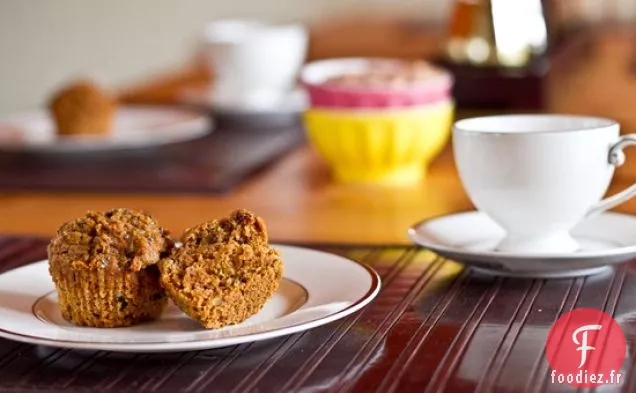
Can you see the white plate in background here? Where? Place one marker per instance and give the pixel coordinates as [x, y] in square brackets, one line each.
[135, 127]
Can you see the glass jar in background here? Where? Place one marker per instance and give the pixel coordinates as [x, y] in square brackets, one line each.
[496, 32]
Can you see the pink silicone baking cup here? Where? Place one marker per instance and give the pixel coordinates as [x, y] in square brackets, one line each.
[323, 95]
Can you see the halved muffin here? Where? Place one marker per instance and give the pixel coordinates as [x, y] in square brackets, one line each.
[224, 272]
[104, 268]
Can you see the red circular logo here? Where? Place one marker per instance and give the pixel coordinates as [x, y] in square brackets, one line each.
[586, 348]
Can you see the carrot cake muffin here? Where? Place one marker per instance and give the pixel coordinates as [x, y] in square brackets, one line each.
[82, 108]
[224, 272]
[104, 268]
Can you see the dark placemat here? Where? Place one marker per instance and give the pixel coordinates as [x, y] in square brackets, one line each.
[434, 327]
[214, 163]
[523, 88]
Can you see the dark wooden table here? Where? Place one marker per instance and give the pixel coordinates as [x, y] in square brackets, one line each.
[435, 327]
[211, 165]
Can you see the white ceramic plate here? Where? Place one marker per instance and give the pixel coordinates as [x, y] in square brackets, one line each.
[470, 238]
[317, 288]
[135, 127]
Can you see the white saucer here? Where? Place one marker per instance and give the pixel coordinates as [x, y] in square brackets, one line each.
[317, 288]
[470, 238]
[135, 127]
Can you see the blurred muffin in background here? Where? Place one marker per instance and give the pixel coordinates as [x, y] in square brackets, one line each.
[83, 108]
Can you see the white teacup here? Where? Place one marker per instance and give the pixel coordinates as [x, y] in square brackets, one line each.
[255, 64]
[537, 176]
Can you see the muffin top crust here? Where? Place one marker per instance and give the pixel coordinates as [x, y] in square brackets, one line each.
[242, 227]
[122, 239]
[82, 97]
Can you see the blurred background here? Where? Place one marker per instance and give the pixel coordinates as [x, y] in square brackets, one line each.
[186, 131]
[497, 56]
[119, 42]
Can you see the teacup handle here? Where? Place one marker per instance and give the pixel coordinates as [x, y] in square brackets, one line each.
[616, 157]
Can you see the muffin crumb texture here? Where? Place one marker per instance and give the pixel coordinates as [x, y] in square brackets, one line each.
[224, 272]
[104, 268]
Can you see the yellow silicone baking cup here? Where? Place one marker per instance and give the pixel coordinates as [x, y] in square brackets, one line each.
[388, 146]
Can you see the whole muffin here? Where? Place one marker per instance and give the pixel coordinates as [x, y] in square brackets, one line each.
[82, 108]
[224, 272]
[104, 268]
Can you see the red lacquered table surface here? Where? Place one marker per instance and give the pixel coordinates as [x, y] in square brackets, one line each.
[435, 327]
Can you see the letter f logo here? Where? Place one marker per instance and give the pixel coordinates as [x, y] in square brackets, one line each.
[583, 344]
